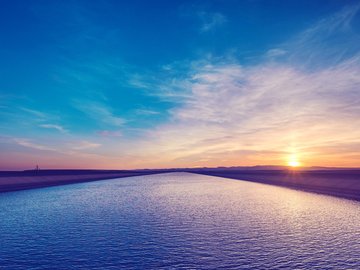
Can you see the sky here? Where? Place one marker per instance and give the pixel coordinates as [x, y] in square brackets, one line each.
[163, 84]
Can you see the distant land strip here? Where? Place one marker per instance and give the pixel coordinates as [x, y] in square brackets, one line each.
[343, 183]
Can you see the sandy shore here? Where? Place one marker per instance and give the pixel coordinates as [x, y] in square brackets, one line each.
[341, 183]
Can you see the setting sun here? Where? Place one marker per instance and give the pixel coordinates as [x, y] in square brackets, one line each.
[294, 163]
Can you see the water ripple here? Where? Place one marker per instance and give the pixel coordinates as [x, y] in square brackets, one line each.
[177, 221]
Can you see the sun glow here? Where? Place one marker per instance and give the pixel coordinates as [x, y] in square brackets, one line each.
[293, 162]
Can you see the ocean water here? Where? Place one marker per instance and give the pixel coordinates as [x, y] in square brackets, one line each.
[177, 221]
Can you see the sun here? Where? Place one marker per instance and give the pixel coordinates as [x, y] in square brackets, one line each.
[294, 163]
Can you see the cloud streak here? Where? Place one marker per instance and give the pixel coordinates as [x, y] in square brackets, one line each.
[83, 145]
[53, 126]
[211, 21]
[99, 112]
[328, 42]
[28, 143]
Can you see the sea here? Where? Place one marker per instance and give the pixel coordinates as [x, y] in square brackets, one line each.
[177, 221]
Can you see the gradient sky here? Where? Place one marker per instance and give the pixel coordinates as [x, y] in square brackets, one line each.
[155, 84]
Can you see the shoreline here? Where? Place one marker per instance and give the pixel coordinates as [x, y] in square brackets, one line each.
[15, 181]
[339, 183]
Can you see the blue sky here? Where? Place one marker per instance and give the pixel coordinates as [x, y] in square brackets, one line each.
[134, 84]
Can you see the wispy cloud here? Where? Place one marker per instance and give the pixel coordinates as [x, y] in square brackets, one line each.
[146, 112]
[83, 145]
[328, 42]
[259, 111]
[99, 112]
[30, 144]
[74, 147]
[276, 52]
[109, 133]
[40, 115]
[211, 21]
[53, 126]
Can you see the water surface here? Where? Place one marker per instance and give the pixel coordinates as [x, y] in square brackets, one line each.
[177, 221]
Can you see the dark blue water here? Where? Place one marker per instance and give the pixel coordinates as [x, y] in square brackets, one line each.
[177, 221]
